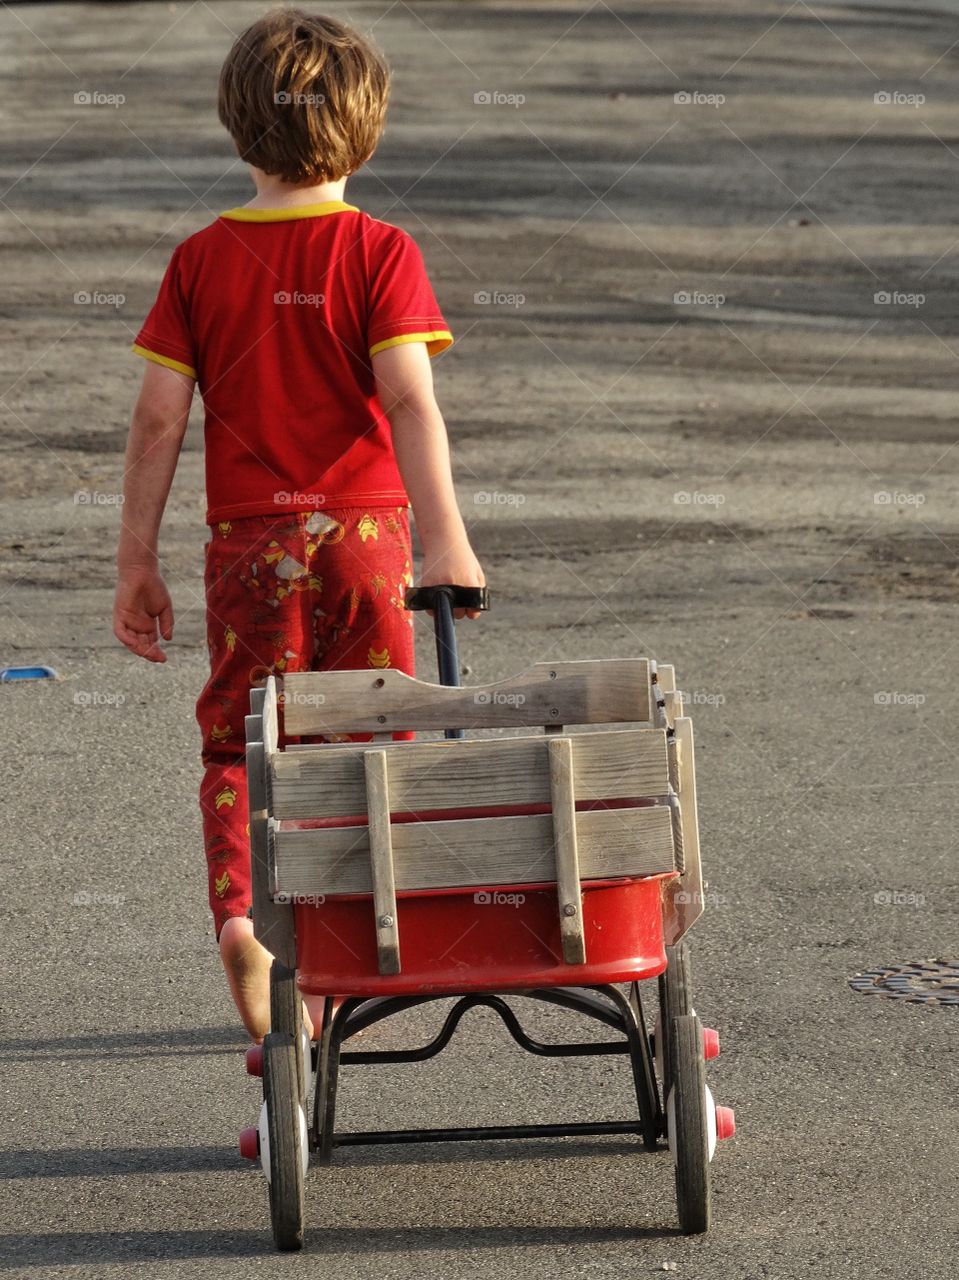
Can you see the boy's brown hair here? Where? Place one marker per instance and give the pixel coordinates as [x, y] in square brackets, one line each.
[303, 97]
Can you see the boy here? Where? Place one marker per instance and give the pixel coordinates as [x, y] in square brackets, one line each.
[308, 327]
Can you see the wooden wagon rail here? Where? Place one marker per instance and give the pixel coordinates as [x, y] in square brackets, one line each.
[548, 806]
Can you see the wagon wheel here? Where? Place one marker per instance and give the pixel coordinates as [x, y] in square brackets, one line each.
[286, 1014]
[286, 1130]
[675, 1001]
[688, 1123]
[675, 984]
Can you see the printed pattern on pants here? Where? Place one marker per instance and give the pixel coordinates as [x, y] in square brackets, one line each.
[308, 591]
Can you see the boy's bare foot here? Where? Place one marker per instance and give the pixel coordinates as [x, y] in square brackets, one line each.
[247, 964]
[313, 1012]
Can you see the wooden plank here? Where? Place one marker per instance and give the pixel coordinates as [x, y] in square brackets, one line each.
[272, 921]
[568, 890]
[666, 677]
[478, 851]
[674, 705]
[481, 772]
[596, 692]
[683, 898]
[381, 861]
[271, 728]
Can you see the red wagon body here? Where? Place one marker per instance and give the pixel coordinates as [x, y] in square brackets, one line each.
[513, 943]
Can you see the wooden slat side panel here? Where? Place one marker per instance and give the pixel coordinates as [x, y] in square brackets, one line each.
[479, 772]
[683, 899]
[381, 861]
[568, 889]
[600, 692]
[479, 851]
[272, 921]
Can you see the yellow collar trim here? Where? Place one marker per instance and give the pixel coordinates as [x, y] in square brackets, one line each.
[288, 214]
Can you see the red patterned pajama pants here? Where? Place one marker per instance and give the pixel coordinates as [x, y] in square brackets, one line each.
[308, 591]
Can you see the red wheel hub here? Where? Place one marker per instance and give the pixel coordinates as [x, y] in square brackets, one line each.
[725, 1122]
[250, 1143]
[710, 1043]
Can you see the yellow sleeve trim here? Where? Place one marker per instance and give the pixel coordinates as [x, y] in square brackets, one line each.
[436, 342]
[164, 360]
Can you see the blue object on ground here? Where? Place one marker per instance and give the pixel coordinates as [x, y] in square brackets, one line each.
[7, 674]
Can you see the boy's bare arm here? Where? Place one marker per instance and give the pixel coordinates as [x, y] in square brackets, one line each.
[404, 383]
[143, 608]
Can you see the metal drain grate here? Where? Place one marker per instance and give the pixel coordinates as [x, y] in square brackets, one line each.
[919, 982]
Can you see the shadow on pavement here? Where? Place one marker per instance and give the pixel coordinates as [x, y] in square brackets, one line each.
[127, 1044]
[104, 1162]
[27, 1251]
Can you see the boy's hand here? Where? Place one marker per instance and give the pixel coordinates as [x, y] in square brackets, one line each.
[457, 566]
[142, 608]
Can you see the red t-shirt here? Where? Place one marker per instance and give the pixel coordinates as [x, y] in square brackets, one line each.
[277, 313]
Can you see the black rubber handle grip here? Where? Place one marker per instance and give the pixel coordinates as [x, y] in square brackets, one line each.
[459, 597]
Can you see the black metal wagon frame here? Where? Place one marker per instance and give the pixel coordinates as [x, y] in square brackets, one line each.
[622, 1012]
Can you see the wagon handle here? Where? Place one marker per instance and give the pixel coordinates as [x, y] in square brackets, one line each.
[460, 597]
[443, 599]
